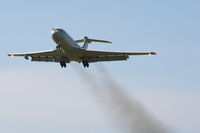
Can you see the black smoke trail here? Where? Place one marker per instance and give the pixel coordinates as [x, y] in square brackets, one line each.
[124, 111]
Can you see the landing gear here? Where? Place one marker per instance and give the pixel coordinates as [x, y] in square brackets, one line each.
[63, 64]
[58, 47]
[85, 64]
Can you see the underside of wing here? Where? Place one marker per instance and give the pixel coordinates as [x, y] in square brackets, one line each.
[46, 56]
[95, 56]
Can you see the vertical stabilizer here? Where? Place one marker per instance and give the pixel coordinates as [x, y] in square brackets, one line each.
[86, 42]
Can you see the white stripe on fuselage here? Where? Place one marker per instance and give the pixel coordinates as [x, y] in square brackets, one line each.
[68, 45]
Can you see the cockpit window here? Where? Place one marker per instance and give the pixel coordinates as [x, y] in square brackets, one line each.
[59, 30]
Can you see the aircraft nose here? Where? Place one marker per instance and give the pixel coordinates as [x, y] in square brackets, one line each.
[53, 31]
[55, 35]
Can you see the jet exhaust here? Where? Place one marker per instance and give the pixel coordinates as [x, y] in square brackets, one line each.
[124, 111]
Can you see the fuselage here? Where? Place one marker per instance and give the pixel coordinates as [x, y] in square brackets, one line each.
[68, 46]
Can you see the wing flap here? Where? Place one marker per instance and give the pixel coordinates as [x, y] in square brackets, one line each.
[106, 58]
[44, 56]
[49, 59]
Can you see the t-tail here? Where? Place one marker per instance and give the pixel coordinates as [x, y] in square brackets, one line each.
[86, 41]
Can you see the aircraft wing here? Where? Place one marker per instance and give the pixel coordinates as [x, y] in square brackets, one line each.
[96, 56]
[47, 56]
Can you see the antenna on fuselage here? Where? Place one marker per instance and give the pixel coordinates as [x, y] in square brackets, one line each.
[53, 29]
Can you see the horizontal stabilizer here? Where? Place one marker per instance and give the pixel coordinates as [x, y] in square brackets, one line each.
[86, 39]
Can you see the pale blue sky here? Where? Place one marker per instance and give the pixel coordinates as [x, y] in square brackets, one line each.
[167, 84]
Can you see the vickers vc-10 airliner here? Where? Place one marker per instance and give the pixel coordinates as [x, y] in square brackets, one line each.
[68, 50]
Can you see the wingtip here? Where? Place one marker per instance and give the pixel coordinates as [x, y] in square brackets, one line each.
[11, 55]
[152, 53]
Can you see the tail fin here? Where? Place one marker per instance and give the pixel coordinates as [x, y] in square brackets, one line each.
[86, 41]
